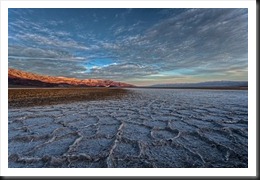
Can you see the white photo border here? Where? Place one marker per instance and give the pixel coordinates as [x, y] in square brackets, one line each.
[250, 171]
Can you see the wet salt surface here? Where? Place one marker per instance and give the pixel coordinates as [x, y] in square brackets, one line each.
[162, 128]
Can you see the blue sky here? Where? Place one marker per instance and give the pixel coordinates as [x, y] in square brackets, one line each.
[138, 46]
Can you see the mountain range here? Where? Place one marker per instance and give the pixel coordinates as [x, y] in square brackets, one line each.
[210, 84]
[22, 78]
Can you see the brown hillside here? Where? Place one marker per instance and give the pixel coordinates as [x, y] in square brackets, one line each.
[18, 77]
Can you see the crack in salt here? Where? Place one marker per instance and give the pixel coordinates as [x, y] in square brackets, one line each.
[110, 158]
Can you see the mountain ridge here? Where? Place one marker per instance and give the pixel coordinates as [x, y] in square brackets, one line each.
[22, 78]
[222, 83]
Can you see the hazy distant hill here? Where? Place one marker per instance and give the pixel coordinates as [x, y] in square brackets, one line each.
[207, 84]
[22, 78]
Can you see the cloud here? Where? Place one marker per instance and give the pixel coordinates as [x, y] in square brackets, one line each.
[210, 42]
[47, 66]
[52, 41]
[23, 30]
[40, 53]
[216, 37]
[55, 23]
[121, 71]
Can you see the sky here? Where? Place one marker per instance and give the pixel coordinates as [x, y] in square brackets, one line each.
[142, 46]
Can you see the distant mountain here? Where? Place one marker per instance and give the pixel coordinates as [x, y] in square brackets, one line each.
[22, 78]
[206, 84]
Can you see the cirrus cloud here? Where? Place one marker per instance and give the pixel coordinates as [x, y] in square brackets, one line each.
[143, 44]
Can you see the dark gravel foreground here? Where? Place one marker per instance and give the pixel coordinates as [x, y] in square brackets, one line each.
[51, 96]
[159, 128]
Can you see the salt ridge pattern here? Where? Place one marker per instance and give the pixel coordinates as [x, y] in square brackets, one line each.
[157, 128]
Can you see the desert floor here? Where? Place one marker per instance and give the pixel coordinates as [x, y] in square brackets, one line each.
[141, 128]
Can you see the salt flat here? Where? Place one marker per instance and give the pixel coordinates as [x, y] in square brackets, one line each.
[147, 128]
